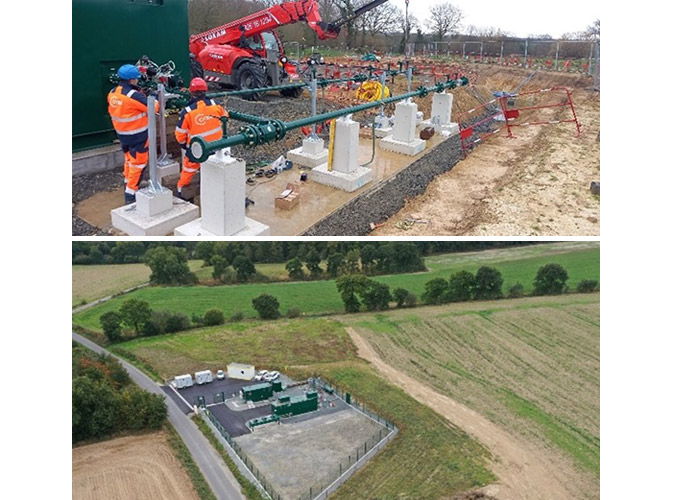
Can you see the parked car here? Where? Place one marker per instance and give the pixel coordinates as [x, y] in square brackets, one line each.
[271, 376]
[261, 374]
[220, 374]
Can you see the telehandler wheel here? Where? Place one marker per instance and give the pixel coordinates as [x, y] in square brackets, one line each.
[250, 76]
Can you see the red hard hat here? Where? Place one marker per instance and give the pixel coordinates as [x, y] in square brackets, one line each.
[198, 84]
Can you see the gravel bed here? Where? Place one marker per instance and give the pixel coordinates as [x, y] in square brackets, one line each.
[388, 197]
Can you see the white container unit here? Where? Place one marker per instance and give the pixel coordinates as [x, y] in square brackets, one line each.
[204, 377]
[183, 381]
[240, 371]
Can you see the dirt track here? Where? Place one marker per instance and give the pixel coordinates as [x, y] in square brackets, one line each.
[138, 467]
[524, 472]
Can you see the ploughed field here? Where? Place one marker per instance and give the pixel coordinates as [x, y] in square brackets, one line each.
[529, 365]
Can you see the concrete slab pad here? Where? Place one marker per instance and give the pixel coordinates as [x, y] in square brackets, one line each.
[446, 130]
[299, 157]
[345, 181]
[412, 148]
[383, 132]
[251, 228]
[131, 221]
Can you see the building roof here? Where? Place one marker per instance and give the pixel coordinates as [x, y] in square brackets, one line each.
[240, 365]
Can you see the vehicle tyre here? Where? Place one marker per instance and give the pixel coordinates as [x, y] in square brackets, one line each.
[195, 68]
[294, 93]
[250, 76]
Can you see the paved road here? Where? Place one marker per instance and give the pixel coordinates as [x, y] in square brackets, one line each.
[218, 475]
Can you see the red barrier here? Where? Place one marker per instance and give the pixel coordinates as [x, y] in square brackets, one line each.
[512, 114]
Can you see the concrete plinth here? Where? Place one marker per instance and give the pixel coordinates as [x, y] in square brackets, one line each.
[346, 173]
[167, 168]
[251, 228]
[440, 116]
[311, 154]
[382, 126]
[132, 221]
[345, 181]
[223, 200]
[150, 203]
[403, 139]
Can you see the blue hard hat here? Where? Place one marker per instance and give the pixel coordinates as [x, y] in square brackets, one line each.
[128, 72]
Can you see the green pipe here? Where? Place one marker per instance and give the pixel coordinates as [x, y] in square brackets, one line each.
[244, 117]
[274, 130]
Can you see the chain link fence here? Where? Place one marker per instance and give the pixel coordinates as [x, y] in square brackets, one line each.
[573, 56]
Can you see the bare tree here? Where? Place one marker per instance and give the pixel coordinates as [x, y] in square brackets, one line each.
[381, 19]
[593, 31]
[486, 32]
[445, 19]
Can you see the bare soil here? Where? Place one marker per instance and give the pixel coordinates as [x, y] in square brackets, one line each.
[525, 471]
[534, 184]
[138, 467]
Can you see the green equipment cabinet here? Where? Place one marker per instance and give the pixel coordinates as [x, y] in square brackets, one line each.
[257, 392]
[107, 34]
[295, 406]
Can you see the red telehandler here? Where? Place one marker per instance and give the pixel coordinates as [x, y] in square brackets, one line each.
[248, 54]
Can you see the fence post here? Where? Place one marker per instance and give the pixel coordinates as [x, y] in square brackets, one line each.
[525, 54]
[556, 58]
[502, 49]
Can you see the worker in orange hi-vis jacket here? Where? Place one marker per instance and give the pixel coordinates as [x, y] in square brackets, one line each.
[201, 118]
[127, 106]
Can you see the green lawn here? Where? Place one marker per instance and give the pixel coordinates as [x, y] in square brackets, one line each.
[269, 345]
[315, 297]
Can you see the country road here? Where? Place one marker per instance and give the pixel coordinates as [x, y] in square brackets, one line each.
[217, 474]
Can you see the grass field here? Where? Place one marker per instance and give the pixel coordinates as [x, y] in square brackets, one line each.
[530, 365]
[429, 459]
[270, 345]
[581, 259]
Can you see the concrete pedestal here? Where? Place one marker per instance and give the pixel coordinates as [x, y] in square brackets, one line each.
[167, 168]
[403, 139]
[346, 173]
[382, 126]
[440, 116]
[311, 154]
[153, 214]
[223, 201]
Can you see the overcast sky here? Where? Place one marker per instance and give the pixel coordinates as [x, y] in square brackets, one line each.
[520, 17]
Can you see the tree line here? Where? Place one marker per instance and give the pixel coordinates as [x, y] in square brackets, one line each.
[356, 291]
[105, 401]
[128, 252]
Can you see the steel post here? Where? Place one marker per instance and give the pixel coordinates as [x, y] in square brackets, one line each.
[409, 73]
[556, 58]
[383, 88]
[502, 49]
[163, 156]
[314, 105]
[525, 55]
[154, 186]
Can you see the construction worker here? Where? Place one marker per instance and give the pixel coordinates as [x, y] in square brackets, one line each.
[127, 106]
[199, 119]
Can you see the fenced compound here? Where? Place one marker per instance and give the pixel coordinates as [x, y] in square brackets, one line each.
[357, 458]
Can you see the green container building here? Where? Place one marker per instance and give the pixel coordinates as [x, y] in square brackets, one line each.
[107, 34]
[257, 392]
[296, 406]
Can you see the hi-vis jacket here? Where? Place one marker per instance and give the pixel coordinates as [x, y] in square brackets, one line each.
[200, 119]
[128, 109]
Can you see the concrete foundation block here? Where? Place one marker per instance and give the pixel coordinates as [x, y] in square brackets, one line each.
[411, 148]
[150, 204]
[131, 221]
[97, 160]
[446, 130]
[404, 129]
[167, 168]
[346, 141]
[250, 228]
[311, 154]
[346, 181]
[223, 195]
[383, 132]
